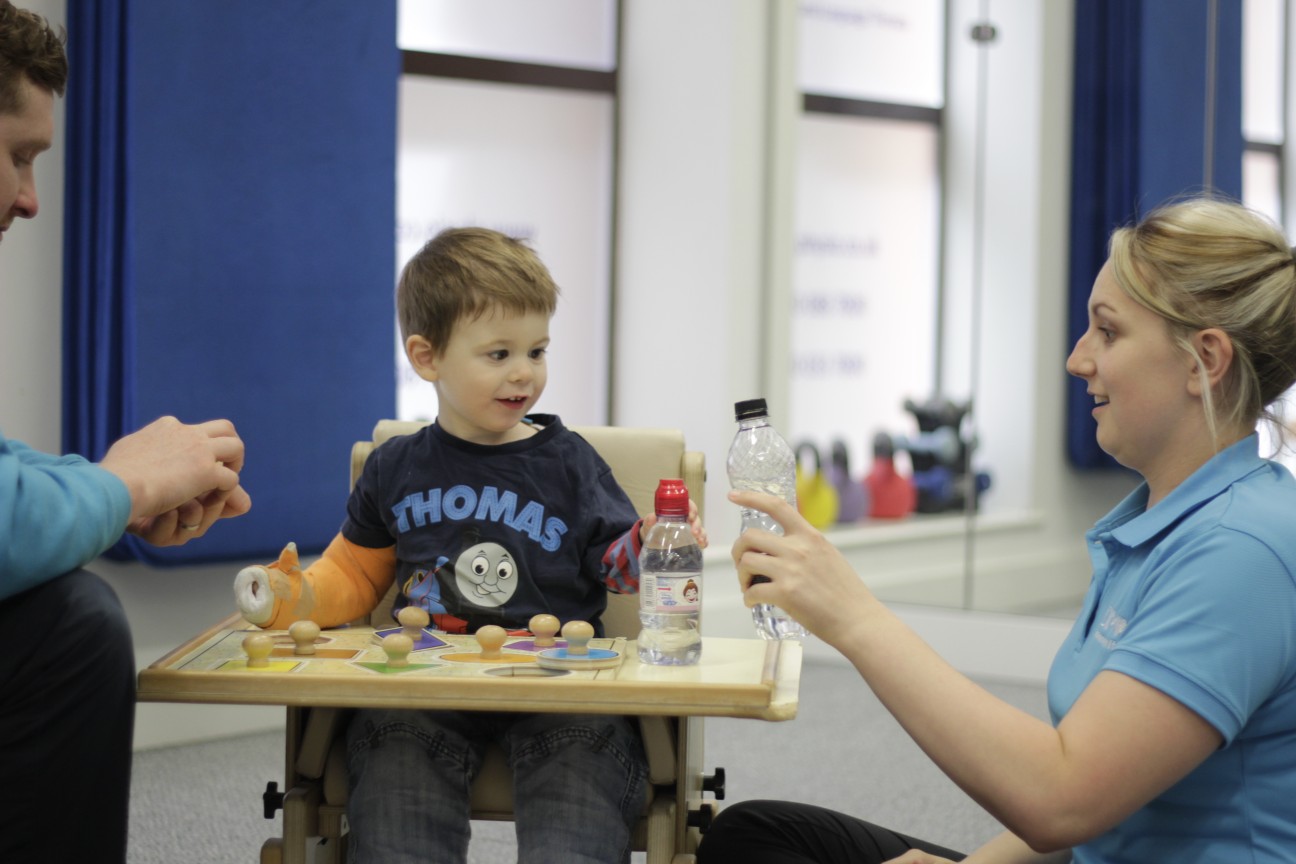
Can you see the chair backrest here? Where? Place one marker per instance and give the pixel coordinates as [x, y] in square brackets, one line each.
[638, 457]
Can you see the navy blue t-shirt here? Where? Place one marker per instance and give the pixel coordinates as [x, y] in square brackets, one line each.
[494, 534]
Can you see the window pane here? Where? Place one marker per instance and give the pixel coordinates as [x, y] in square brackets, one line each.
[580, 33]
[532, 163]
[1261, 184]
[863, 331]
[877, 50]
[1263, 26]
[1280, 444]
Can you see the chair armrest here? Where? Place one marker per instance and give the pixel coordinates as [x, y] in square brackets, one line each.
[693, 473]
[322, 726]
[360, 451]
[659, 738]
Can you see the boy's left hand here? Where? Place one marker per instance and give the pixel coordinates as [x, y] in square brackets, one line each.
[695, 524]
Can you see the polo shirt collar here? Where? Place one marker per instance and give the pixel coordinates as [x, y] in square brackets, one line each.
[1131, 524]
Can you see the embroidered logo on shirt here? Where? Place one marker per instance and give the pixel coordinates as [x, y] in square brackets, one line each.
[1109, 629]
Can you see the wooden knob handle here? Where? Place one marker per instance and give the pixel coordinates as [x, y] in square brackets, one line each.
[491, 639]
[304, 634]
[397, 646]
[578, 634]
[258, 647]
[544, 626]
[413, 617]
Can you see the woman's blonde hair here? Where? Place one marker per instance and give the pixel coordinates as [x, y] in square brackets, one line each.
[1208, 263]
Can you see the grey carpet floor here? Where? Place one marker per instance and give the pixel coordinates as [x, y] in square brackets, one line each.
[201, 803]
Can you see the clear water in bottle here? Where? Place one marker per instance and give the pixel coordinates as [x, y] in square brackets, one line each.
[672, 580]
[761, 460]
[670, 583]
[771, 622]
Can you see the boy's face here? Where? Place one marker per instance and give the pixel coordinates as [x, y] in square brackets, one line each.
[23, 136]
[490, 375]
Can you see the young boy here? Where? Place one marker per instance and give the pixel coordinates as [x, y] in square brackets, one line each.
[489, 516]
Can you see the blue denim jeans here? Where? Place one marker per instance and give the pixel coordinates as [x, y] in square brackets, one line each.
[579, 783]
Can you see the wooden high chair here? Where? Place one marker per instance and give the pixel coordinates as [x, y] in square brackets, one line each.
[314, 803]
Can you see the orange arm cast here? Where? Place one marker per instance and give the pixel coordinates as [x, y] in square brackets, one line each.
[346, 583]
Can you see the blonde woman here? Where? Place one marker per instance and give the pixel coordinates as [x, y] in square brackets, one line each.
[1173, 700]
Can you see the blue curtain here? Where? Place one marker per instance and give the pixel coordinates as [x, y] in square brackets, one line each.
[230, 242]
[1139, 137]
[96, 318]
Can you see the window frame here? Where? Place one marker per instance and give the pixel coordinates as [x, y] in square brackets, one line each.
[461, 67]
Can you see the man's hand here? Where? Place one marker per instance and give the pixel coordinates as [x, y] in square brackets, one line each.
[181, 478]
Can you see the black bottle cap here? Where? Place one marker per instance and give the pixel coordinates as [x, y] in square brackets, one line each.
[749, 408]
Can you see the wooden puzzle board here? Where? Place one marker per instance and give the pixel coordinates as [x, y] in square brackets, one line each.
[353, 651]
[735, 678]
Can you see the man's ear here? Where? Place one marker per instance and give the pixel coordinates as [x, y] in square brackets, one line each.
[1215, 354]
[422, 356]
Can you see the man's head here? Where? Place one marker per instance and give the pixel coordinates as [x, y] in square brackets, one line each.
[33, 69]
[29, 49]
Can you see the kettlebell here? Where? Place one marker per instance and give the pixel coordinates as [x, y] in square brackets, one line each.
[816, 497]
[891, 495]
[852, 495]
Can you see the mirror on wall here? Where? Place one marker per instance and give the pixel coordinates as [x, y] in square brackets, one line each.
[888, 336]
[889, 296]
[921, 316]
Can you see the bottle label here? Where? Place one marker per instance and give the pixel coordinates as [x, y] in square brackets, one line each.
[670, 593]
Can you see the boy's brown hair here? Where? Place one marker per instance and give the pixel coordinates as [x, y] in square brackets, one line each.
[29, 48]
[465, 272]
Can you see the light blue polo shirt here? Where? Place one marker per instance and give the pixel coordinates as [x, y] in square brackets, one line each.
[1197, 598]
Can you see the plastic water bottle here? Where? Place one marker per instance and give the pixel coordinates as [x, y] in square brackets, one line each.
[760, 460]
[670, 583]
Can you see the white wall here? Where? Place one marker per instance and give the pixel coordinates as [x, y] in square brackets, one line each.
[694, 265]
[30, 286]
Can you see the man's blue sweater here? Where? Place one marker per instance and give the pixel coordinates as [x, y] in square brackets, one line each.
[56, 514]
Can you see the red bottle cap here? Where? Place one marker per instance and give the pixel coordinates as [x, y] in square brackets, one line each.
[671, 500]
